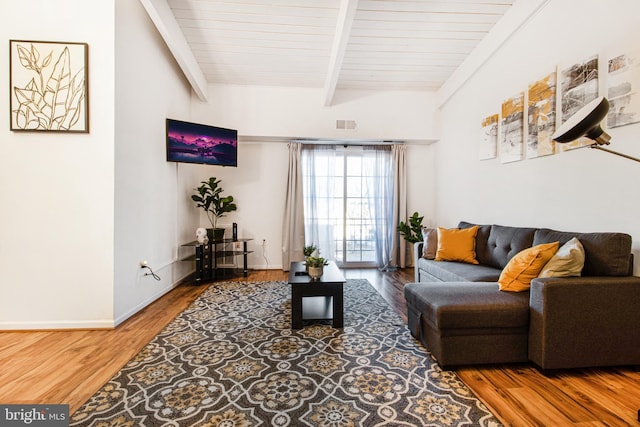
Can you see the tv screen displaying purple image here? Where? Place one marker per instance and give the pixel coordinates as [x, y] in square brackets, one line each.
[197, 143]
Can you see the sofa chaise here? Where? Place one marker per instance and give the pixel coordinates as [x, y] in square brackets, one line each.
[459, 313]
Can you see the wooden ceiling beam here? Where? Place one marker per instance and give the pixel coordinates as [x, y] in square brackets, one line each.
[344, 24]
[164, 20]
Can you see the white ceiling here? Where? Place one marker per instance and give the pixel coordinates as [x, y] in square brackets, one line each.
[354, 44]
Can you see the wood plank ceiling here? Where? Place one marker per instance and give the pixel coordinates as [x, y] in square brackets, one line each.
[350, 44]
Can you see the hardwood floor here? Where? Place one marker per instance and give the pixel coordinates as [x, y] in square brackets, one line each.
[69, 366]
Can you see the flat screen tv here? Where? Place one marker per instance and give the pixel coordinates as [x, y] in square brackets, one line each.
[197, 143]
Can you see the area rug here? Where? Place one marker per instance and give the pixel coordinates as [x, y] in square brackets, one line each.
[231, 359]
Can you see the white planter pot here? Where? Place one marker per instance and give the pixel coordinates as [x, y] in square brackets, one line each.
[315, 272]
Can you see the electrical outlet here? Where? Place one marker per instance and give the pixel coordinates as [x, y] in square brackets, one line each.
[143, 263]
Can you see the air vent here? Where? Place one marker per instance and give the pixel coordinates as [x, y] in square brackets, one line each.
[346, 124]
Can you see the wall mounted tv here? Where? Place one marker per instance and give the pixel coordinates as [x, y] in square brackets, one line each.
[197, 143]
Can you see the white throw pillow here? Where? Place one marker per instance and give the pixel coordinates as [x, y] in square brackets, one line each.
[567, 262]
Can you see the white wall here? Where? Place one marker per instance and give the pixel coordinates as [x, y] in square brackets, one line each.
[264, 111]
[153, 212]
[578, 190]
[80, 211]
[421, 181]
[259, 182]
[259, 186]
[56, 219]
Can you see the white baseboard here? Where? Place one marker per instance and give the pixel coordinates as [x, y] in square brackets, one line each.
[149, 300]
[56, 325]
[106, 323]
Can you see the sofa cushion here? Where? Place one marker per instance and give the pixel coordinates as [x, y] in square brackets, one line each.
[446, 271]
[525, 266]
[505, 242]
[457, 244]
[497, 244]
[463, 305]
[606, 254]
[481, 240]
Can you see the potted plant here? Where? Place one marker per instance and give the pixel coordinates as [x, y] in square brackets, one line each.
[412, 231]
[307, 251]
[315, 265]
[310, 250]
[214, 204]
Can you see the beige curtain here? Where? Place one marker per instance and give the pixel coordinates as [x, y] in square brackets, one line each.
[293, 226]
[398, 245]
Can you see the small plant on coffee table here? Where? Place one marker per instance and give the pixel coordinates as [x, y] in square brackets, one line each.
[315, 266]
[307, 251]
[313, 261]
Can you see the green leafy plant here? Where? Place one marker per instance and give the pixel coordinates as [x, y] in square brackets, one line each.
[312, 261]
[412, 230]
[308, 250]
[210, 199]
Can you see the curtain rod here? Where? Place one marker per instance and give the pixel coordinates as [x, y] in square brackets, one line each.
[345, 142]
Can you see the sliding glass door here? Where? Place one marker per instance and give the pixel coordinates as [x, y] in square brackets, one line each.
[347, 204]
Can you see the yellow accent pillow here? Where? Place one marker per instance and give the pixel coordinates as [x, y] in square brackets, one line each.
[457, 244]
[525, 266]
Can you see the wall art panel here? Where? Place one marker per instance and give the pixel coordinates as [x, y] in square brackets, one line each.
[623, 89]
[49, 86]
[489, 138]
[541, 117]
[578, 86]
[512, 129]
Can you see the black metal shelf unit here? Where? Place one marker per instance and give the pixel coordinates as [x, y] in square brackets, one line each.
[217, 259]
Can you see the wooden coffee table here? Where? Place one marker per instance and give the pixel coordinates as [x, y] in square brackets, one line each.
[320, 299]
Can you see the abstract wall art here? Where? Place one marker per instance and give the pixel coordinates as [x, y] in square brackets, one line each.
[512, 129]
[578, 86]
[541, 117]
[489, 138]
[623, 89]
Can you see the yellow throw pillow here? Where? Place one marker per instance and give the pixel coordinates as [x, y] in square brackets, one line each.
[525, 266]
[457, 244]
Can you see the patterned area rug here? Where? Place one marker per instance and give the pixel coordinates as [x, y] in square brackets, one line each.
[231, 359]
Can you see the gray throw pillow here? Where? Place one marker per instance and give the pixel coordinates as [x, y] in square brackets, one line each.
[430, 246]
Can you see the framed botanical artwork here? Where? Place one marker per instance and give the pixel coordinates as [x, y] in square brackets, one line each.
[48, 86]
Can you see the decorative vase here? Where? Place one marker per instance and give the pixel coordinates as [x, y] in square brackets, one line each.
[215, 234]
[315, 272]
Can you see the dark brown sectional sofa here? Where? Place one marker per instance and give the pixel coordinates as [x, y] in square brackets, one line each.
[462, 317]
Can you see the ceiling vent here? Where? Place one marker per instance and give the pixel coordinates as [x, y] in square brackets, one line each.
[346, 124]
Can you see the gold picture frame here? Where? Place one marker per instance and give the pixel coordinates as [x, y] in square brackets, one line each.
[49, 86]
